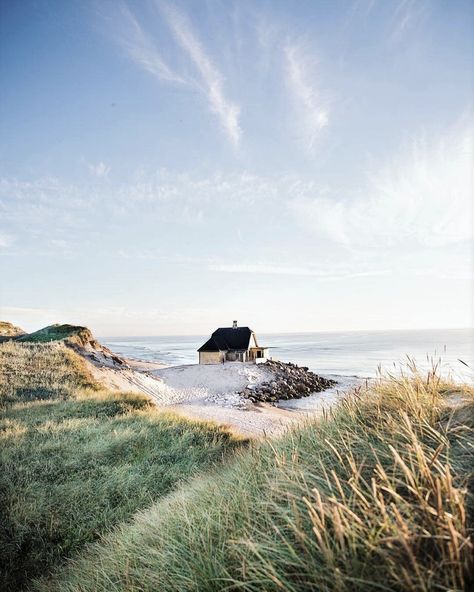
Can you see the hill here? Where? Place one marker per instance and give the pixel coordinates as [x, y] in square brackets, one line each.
[77, 459]
[377, 496]
[103, 492]
[71, 334]
[80, 339]
[9, 331]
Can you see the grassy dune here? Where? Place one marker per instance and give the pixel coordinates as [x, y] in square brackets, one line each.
[34, 372]
[76, 460]
[377, 497]
[9, 331]
[71, 333]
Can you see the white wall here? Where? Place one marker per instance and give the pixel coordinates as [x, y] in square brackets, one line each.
[253, 342]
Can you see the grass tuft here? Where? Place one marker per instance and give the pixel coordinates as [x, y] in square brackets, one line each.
[376, 497]
[29, 372]
[76, 460]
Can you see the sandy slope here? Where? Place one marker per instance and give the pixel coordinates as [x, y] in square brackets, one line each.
[218, 383]
[210, 393]
[207, 393]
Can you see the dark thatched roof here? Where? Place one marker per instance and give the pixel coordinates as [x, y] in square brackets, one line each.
[228, 338]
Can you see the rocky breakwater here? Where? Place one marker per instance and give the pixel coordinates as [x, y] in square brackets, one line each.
[289, 381]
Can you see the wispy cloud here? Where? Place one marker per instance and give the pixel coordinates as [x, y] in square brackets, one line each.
[423, 197]
[412, 214]
[407, 14]
[302, 84]
[269, 269]
[140, 47]
[99, 170]
[5, 240]
[399, 17]
[212, 80]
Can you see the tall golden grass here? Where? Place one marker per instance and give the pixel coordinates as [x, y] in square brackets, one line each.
[76, 459]
[376, 496]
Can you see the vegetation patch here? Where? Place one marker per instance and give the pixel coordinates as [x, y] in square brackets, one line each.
[376, 497]
[30, 372]
[9, 331]
[72, 333]
[76, 460]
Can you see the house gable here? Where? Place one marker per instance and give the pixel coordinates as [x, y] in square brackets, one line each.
[232, 344]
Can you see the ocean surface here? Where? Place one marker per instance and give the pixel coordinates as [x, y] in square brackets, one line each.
[357, 354]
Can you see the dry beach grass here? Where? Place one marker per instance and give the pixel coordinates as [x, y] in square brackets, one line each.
[103, 492]
[375, 496]
[76, 459]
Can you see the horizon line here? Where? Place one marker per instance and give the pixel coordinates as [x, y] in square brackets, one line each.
[464, 328]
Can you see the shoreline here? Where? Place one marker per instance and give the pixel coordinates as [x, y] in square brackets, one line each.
[142, 365]
[209, 392]
[351, 354]
[145, 365]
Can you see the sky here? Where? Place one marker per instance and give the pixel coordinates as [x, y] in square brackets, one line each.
[168, 167]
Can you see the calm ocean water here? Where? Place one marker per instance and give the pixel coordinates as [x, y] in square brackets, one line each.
[355, 353]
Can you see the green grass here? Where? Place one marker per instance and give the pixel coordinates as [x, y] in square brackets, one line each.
[76, 460]
[31, 372]
[377, 497]
[56, 333]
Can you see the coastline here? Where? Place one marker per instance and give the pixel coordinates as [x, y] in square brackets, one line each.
[95, 444]
[209, 393]
[350, 354]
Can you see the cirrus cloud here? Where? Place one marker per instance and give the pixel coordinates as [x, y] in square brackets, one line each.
[303, 85]
[141, 47]
[423, 197]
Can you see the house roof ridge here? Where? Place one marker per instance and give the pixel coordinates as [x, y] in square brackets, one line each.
[228, 338]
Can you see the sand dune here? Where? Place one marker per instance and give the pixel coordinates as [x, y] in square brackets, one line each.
[207, 392]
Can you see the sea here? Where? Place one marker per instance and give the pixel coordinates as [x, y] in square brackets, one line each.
[350, 354]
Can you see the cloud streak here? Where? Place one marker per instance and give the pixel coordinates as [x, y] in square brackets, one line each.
[270, 269]
[308, 99]
[141, 48]
[211, 78]
[407, 15]
[422, 198]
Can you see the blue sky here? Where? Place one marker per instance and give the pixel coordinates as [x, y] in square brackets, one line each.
[166, 167]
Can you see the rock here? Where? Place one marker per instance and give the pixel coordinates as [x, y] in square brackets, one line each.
[289, 381]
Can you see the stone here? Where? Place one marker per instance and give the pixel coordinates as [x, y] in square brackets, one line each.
[289, 381]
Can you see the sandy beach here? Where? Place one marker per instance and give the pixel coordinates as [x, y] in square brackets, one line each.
[207, 392]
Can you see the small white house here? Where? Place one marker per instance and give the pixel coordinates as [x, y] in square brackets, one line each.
[232, 344]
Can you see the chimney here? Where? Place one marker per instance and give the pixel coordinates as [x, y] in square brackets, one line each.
[234, 324]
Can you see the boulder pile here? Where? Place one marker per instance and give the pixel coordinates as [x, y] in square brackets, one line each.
[289, 381]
